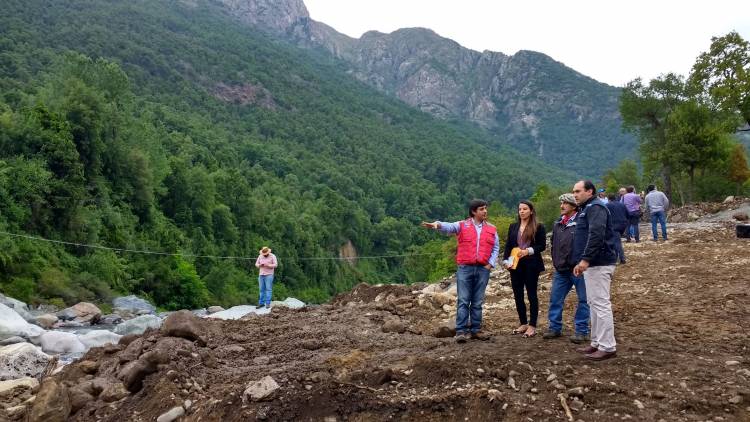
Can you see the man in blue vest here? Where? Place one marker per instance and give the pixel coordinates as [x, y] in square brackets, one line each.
[595, 251]
[476, 255]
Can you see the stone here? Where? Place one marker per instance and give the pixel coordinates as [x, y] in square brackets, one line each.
[25, 383]
[60, 342]
[576, 405]
[292, 303]
[110, 319]
[732, 363]
[12, 340]
[78, 399]
[576, 392]
[113, 391]
[235, 312]
[52, 403]
[21, 308]
[16, 412]
[22, 360]
[133, 304]
[171, 414]
[741, 216]
[260, 390]
[432, 288]
[393, 325]
[185, 325]
[138, 325]
[133, 373]
[13, 325]
[639, 404]
[98, 338]
[551, 377]
[214, 309]
[729, 199]
[46, 321]
[85, 313]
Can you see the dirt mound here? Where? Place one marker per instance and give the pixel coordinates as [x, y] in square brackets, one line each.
[682, 315]
[703, 210]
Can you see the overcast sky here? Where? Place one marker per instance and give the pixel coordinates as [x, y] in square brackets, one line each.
[613, 42]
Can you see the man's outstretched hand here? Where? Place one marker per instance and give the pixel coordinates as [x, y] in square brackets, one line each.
[435, 225]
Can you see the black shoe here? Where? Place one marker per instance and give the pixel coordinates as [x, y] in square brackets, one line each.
[551, 334]
[623, 262]
[261, 306]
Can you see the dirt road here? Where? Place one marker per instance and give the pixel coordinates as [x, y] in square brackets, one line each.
[682, 315]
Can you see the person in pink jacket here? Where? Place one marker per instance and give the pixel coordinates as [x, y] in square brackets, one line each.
[266, 264]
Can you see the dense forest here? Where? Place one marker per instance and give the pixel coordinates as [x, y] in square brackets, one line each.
[164, 126]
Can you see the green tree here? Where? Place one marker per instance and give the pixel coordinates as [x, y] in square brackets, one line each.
[696, 137]
[723, 72]
[644, 110]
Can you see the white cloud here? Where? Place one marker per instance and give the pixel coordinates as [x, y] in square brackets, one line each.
[612, 42]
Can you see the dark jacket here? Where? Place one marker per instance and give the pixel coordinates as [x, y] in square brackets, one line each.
[562, 244]
[594, 239]
[619, 213]
[540, 244]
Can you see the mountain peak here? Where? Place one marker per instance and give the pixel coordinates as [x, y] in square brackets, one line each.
[277, 16]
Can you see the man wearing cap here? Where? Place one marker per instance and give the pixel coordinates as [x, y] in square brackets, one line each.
[563, 233]
[478, 247]
[603, 195]
[266, 264]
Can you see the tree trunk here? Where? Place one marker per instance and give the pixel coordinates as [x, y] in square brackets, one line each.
[691, 188]
[667, 174]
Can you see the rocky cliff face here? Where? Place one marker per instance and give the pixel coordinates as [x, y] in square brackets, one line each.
[531, 100]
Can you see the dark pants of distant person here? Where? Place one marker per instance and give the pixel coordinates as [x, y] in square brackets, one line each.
[525, 277]
[634, 218]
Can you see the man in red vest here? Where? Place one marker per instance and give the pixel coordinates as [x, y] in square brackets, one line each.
[478, 247]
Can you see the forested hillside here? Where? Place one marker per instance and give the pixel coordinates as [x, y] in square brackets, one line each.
[163, 126]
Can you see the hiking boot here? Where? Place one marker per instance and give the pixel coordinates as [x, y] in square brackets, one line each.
[261, 306]
[586, 350]
[461, 338]
[479, 335]
[579, 338]
[600, 355]
[551, 334]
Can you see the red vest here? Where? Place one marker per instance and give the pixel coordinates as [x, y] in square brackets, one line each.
[467, 243]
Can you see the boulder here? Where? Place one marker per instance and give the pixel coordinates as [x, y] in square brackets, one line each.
[78, 398]
[12, 325]
[46, 321]
[291, 303]
[110, 319]
[22, 360]
[260, 390]
[12, 340]
[235, 312]
[60, 342]
[98, 338]
[393, 325]
[18, 306]
[83, 312]
[200, 312]
[133, 373]
[729, 199]
[25, 383]
[52, 404]
[445, 329]
[133, 304]
[186, 325]
[171, 415]
[214, 309]
[113, 392]
[138, 325]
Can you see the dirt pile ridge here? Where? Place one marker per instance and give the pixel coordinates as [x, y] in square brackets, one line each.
[682, 316]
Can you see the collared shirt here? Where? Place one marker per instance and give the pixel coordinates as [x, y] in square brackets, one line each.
[453, 228]
[632, 201]
[266, 264]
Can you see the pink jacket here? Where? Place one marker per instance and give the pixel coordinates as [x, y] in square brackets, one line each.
[266, 263]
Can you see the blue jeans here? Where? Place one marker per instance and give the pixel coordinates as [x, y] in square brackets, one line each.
[266, 287]
[661, 218]
[471, 281]
[633, 231]
[562, 282]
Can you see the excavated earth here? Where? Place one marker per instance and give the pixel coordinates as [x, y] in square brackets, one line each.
[682, 315]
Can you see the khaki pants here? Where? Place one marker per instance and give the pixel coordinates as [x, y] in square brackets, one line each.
[598, 280]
